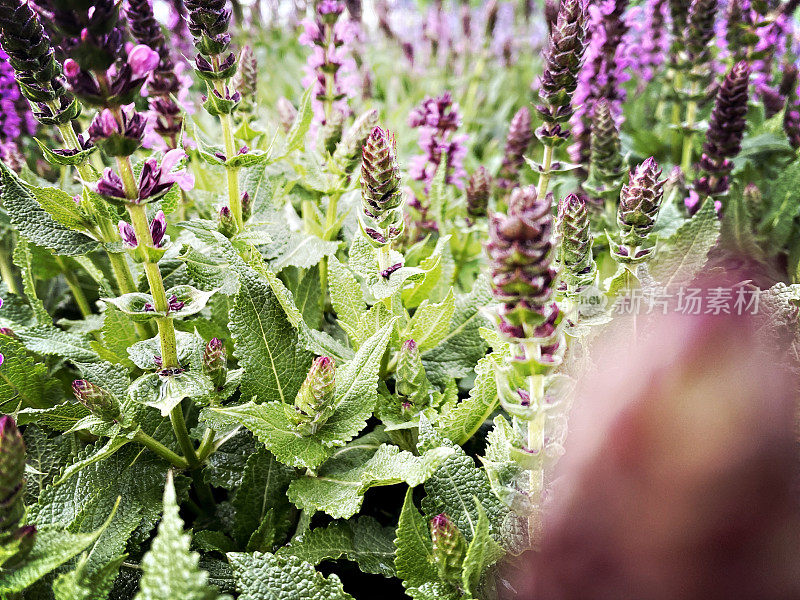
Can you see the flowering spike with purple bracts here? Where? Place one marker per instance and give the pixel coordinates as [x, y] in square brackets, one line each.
[314, 403]
[246, 80]
[287, 113]
[700, 31]
[520, 135]
[563, 57]
[381, 215]
[575, 242]
[96, 399]
[117, 138]
[479, 188]
[215, 362]
[639, 203]
[449, 548]
[208, 21]
[724, 135]
[605, 170]
[520, 250]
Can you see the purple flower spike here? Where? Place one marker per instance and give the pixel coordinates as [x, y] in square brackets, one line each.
[110, 185]
[127, 234]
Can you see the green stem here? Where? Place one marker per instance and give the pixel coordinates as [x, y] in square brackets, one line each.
[75, 287]
[329, 232]
[206, 447]
[544, 176]
[232, 173]
[182, 435]
[688, 140]
[160, 449]
[204, 493]
[7, 273]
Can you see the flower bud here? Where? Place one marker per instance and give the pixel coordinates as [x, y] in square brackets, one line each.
[246, 79]
[605, 174]
[127, 234]
[412, 383]
[158, 227]
[314, 403]
[226, 225]
[12, 466]
[519, 138]
[331, 132]
[479, 188]
[115, 138]
[639, 203]
[99, 402]
[449, 548]
[215, 362]
[347, 155]
[381, 216]
[575, 240]
[286, 113]
[143, 60]
[247, 206]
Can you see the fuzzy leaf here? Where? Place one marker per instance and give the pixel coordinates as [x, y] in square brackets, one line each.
[34, 222]
[171, 571]
[431, 322]
[340, 493]
[297, 134]
[363, 541]
[264, 576]
[49, 341]
[414, 555]
[686, 252]
[265, 343]
[294, 248]
[483, 551]
[24, 382]
[165, 392]
[346, 297]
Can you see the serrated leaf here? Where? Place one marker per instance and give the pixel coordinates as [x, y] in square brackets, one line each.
[170, 570]
[23, 258]
[346, 297]
[362, 540]
[46, 456]
[265, 343]
[686, 252]
[61, 417]
[454, 486]
[439, 269]
[293, 248]
[34, 222]
[49, 341]
[414, 555]
[225, 467]
[340, 493]
[462, 346]
[302, 121]
[431, 322]
[264, 576]
[460, 422]
[263, 488]
[482, 552]
[61, 207]
[24, 382]
[77, 585]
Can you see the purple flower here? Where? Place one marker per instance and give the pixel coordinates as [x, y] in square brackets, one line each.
[437, 119]
[158, 227]
[154, 181]
[127, 234]
[15, 116]
[143, 60]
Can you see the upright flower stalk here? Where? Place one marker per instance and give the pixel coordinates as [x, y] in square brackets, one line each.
[216, 64]
[724, 136]
[519, 138]
[563, 57]
[521, 250]
[639, 203]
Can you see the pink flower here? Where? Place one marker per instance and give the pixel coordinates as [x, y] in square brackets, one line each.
[143, 60]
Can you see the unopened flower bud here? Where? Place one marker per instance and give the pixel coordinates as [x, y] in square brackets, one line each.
[286, 113]
[226, 225]
[314, 403]
[247, 206]
[99, 402]
[347, 155]
[118, 138]
[127, 234]
[449, 548]
[412, 383]
[639, 203]
[215, 362]
[12, 466]
[381, 216]
[479, 188]
[575, 239]
[158, 227]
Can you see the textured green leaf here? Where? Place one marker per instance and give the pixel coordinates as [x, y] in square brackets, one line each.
[294, 248]
[24, 259]
[431, 322]
[171, 571]
[46, 456]
[225, 467]
[686, 252]
[265, 343]
[363, 541]
[269, 577]
[118, 334]
[414, 556]
[297, 133]
[340, 493]
[34, 222]
[483, 552]
[347, 298]
[455, 485]
[263, 487]
[60, 417]
[61, 207]
[460, 422]
[462, 347]
[439, 269]
[24, 381]
[77, 585]
[165, 391]
[49, 341]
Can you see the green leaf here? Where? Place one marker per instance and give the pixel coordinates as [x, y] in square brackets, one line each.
[139, 306]
[414, 556]
[483, 552]
[61, 206]
[77, 585]
[225, 467]
[46, 456]
[347, 298]
[263, 488]
[118, 334]
[340, 493]
[60, 417]
[24, 381]
[23, 258]
[297, 134]
[53, 548]
[165, 392]
[170, 570]
[431, 322]
[264, 576]
[439, 268]
[49, 341]
[363, 541]
[265, 343]
[687, 250]
[460, 422]
[462, 346]
[293, 248]
[455, 485]
[34, 222]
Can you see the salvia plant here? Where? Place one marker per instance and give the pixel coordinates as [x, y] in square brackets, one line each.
[294, 298]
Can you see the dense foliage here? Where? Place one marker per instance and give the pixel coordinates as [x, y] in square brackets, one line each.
[294, 298]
